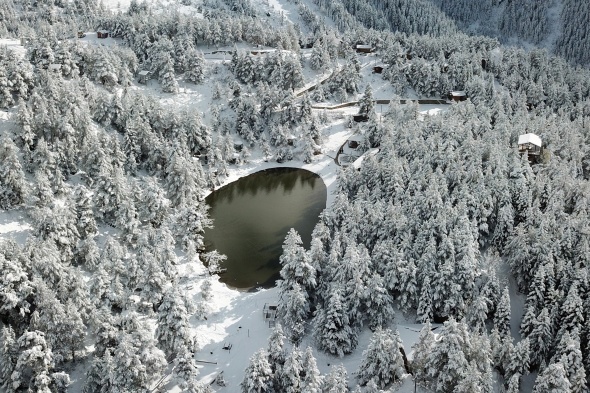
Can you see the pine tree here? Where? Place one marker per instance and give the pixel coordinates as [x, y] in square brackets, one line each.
[12, 179]
[8, 357]
[288, 379]
[367, 104]
[312, 380]
[379, 303]
[541, 337]
[33, 363]
[186, 372]
[276, 348]
[173, 330]
[332, 329]
[422, 349]
[382, 361]
[195, 66]
[502, 314]
[552, 379]
[448, 359]
[336, 380]
[258, 374]
[294, 310]
[168, 78]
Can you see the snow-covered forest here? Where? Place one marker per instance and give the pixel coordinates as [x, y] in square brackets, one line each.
[118, 118]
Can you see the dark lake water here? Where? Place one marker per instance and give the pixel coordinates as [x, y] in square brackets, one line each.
[252, 216]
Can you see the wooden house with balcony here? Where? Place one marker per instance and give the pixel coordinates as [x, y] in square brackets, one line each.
[531, 144]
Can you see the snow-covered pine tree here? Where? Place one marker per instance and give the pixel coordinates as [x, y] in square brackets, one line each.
[336, 380]
[288, 378]
[173, 330]
[422, 349]
[379, 303]
[367, 103]
[502, 314]
[552, 379]
[33, 364]
[186, 373]
[276, 348]
[258, 375]
[168, 77]
[8, 358]
[382, 360]
[332, 330]
[195, 64]
[312, 380]
[294, 308]
[13, 185]
[447, 360]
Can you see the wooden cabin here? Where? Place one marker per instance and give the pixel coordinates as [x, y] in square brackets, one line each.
[269, 313]
[360, 48]
[102, 34]
[360, 118]
[81, 34]
[530, 143]
[25, 41]
[291, 140]
[378, 69]
[143, 77]
[458, 95]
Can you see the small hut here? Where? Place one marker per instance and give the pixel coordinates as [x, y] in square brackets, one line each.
[361, 48]
[360, 118]
[458, 95]
[291, 139]
[81, 34]
[378, 69]
[25, 41]
[530, 143]
[143, 77]
[269, 313]
[102, 34]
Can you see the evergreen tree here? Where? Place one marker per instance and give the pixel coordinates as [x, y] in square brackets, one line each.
[195, 63]
[448, 360]
[258, 374]
[382, 361]
[173, 331]
[312, 380]
[33, 364]
[12, 178]
[336, 380]
[422, 349]
[8, 357]
[288, 379]
[552, 379]
[332, 329]
[502, 314]
[367, 103]
[276, 348]
[168, 78]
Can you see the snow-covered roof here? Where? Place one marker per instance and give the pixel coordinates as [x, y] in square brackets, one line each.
[359, 161]
[458, 93]
[144, 73]
[529, 138]
[356, 138]
[103, 31]
[54, 67]
[360, 46]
